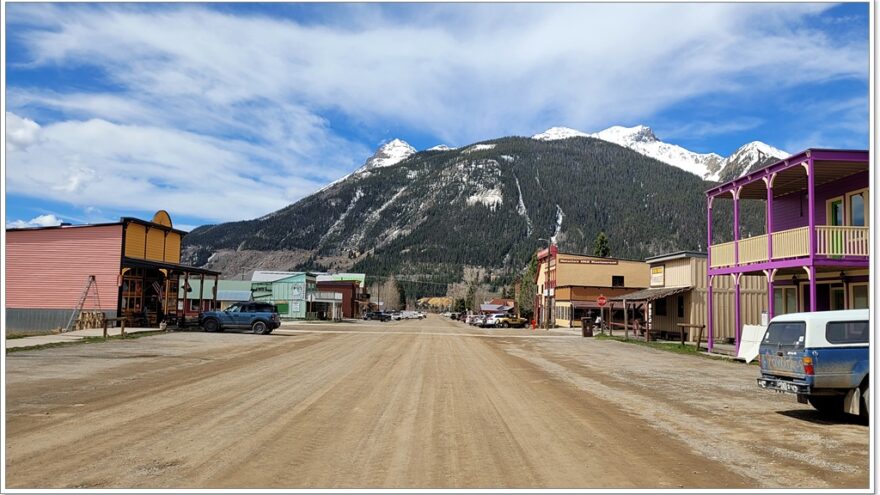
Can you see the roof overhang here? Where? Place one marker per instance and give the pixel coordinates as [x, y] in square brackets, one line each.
[138, 263]
[652, 294]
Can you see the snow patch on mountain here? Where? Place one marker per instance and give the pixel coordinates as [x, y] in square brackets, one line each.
[559, 216]
[340, 222]
[479, 147]
[555, 133]
[441, 147]
[490, 198]
[521, 208]
[507, 158]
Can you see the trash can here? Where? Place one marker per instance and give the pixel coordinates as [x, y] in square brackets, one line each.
[587, 326]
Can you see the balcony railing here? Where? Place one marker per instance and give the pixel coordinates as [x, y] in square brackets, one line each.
[832, 241]
[753, 249]
[842, 241]
[792, 243]
[722, 254]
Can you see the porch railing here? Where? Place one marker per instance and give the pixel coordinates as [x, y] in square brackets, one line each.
[753, 249]
[791, 243]
[722, 254]
[833, 241]
[841, 241]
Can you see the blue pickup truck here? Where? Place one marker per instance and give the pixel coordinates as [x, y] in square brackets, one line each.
[262, 318]
[822, 357]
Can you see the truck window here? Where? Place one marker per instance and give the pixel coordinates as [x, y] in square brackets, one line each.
[847, 332]
[785, 335]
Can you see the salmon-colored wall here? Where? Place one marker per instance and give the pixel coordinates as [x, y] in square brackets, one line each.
[48, 268]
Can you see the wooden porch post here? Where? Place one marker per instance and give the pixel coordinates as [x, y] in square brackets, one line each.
[185, 298]
[710, 326]
[737, 318]
[216, 283]
[625, 321]
[201, 292]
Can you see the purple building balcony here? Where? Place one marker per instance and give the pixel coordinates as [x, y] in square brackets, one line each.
[814, 250]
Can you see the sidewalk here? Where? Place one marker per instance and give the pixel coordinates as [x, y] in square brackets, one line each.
[69, 336]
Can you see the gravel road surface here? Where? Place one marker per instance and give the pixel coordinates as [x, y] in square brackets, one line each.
[430, 403]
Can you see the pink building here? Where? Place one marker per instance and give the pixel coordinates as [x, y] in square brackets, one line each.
[135, 263]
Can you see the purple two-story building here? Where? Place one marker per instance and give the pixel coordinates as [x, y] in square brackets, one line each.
[815, 252]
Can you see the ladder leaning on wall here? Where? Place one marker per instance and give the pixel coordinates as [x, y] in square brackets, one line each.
[82, 300]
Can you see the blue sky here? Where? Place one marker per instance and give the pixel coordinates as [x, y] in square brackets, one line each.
[230, 111]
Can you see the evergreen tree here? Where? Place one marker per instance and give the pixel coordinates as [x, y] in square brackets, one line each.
[600, 247]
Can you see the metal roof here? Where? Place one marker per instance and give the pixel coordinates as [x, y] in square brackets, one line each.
[652, 294]
[674, 256]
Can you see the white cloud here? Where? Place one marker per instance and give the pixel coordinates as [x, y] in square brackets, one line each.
[48, 220]
[187, 78]
[20, 132]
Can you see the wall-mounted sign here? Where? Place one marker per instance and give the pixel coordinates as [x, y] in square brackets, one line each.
[587, 262]
[658, 275]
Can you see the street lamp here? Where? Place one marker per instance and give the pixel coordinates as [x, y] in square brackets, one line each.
[547, 286]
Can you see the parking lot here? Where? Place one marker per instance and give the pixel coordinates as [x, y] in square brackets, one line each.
[414, 403]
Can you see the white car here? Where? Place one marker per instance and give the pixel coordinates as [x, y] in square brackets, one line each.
[490, 321]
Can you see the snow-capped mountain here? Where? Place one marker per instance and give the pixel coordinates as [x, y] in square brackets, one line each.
[708, 166]
[390, 153]
[555, 133]
[642, 139]
[747, 158]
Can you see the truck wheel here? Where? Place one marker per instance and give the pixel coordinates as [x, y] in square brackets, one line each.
[831, 405]
[211, 325]
[864, 411]
[260, 327]
[505, 325]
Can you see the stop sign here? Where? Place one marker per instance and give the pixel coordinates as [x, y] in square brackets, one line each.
[601, 300]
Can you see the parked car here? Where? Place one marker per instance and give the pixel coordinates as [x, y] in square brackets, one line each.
[395, 315]
[507, 321]
[469, 319]
[490, 321]
[822, 357]
[260, 317]
[377, 315]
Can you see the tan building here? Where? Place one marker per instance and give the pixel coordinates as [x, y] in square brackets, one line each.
[568, 285]
[677, 295]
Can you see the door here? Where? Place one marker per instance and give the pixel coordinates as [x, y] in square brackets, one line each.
[838, 299]
[835, 219]
[244, 317]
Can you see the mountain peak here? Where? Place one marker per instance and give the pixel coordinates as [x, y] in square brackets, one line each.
[619, 134]
[390, 153]
[554, 133]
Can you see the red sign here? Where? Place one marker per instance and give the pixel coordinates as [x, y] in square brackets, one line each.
[601, 300]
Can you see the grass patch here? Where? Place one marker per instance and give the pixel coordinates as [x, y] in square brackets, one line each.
[11, 336]
[666, 346]
[84, 340]
[677, 348]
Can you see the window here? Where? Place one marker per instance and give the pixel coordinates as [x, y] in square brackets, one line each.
[857, 203]
[858, 296]
[660, 307]
[680, 303]
[847, 332]
[617, 281]
[194, 305]
[784, 300]
[786, 334]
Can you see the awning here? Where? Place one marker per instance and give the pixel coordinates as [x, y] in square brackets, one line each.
[138, 263]
[651, 294]
[584, 305]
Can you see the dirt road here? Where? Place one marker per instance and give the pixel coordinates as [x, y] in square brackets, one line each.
[408, 404]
